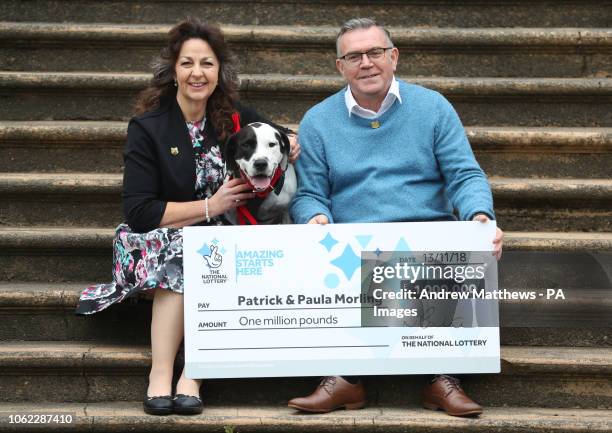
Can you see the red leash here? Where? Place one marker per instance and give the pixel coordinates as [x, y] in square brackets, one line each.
[244, 216]
[236, 121]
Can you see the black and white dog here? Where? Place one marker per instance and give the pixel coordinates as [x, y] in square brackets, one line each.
[259, 153]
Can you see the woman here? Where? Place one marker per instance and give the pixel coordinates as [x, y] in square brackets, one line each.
[174, 178]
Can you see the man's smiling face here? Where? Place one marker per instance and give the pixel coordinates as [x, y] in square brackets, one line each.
[371, 79]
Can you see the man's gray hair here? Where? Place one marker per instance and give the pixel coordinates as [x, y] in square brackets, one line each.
[360, 23]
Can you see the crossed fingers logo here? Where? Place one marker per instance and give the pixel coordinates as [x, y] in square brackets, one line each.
[211, 255]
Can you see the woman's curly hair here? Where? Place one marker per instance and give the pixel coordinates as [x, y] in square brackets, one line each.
[220, 105]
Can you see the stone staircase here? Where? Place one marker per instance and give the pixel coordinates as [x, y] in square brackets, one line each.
[531, 82]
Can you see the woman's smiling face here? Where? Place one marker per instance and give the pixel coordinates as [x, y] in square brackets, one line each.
[197, 72]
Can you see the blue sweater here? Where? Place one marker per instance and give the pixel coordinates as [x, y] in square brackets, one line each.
[417, 166]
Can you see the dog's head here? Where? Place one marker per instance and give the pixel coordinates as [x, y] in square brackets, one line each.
[255, 152]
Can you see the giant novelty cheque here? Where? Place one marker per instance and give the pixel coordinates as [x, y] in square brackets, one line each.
[340, 299]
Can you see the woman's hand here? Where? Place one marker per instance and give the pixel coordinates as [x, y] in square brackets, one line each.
[231, 195]
[295, 149]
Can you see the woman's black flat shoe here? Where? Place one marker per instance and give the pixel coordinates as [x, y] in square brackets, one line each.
[187, 405]
[161, 405]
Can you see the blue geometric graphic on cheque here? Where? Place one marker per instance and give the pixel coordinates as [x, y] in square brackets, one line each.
[348, 262]
[402, 245]
[363, 240]
[205, 250]
[328, 242]
[332, 281]
[378, 252]
[223, 250]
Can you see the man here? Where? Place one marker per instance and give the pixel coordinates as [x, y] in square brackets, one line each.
[383, 150]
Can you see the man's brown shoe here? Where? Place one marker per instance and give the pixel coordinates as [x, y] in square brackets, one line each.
[332, 393]
[446, 394]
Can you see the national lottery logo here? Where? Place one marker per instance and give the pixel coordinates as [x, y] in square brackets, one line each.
[212, 254]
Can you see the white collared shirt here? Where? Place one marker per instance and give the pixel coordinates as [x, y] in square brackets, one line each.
[354, 108]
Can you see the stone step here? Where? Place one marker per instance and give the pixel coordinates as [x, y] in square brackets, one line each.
[479, 101]
[45, 312]
[553, 241]
[559, 204]
[442, 13]
[543, 152]
[56, 254]
[68, 199]
[128, 416]
[85, 199]
[454, 52]
[57, 146]
[65, 146]
[90, 372]
[532, 259]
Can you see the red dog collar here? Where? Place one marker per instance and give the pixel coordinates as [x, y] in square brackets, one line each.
[245, 216]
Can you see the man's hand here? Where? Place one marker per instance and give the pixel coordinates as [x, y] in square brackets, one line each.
[319, 219]
[498, 242]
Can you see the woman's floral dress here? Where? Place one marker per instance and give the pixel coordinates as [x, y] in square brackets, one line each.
[145, 261]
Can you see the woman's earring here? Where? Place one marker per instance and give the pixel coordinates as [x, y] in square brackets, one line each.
[175, 83]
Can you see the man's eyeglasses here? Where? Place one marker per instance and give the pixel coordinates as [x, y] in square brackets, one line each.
[354, 59]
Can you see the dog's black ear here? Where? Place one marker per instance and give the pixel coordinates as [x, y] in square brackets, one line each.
[228, 152]
[285, 147]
